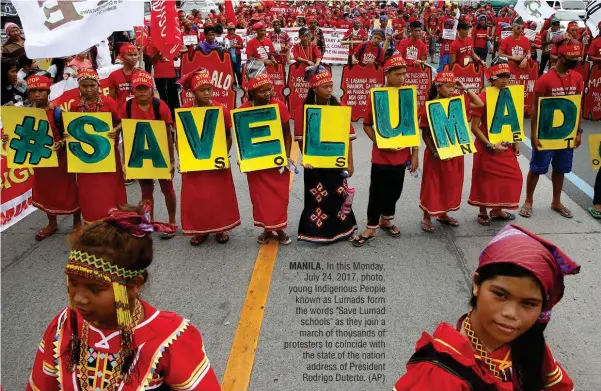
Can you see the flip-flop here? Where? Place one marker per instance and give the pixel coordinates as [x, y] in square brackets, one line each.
[392, 231]
[167, 235]
[362, 240]
[263, 238]
[451, 222]
[563, 211]
[526, 211]
[429, 228]
[484, 220]
[506, 217]
[41, 235]
[595, 213]
[198, 240]
[222, 238]
[285, 239]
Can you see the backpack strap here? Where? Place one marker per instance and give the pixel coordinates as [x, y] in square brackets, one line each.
[449, 364]
[58, 120]
[156, 107]
[128, 107]
[362, 50]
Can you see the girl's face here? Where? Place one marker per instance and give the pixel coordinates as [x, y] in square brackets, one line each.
[12, 75]
[324, 92]
[501, 83]
[14, 34]
[506, 308]
[89, 89]
[203, 95]
[39, 98]
[263, 94]
[94, 300]
[446, 90]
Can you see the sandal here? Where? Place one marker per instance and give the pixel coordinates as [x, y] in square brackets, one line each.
[283, 238]
[506, 216]
[562, 210]
[167, 235]
[392, 231]
[263, 238]
[222, 238]
[43, 234]
[451, 222]
[198, 240]
[428, 227]
[526, 211]
[362, 240]
[595, 213]
[484, 220]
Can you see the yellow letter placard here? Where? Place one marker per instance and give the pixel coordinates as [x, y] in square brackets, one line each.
[30, 138]
[450, 131]
[558, 120]
[594, 145]
[201, 139]
[395, 115]
[259, 137]
[326, 136]
[89, 149]
[505, 114]
[146, 148]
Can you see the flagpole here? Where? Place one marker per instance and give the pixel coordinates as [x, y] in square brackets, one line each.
[141, 54]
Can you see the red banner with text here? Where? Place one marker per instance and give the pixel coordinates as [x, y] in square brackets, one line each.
[299, 88]
[278, 77]
[591, 108]
[165, 28]
[222, 76]
[472, 75]
[527, 77]
[356, 84]
[15, 194]
[420, 76]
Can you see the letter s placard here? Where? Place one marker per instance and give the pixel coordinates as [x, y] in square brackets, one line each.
[89, 149]
[326, 136]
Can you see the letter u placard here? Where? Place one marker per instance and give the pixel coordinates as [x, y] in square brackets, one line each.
[394, 113]
[259, 137]
[146, 149]
[326, 136]
[450, 130]
[89, 149]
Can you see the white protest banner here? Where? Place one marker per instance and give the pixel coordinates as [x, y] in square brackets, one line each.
[593, 16]
[190, 40]
[335, 53]
[505, 34]
[449, 34]
[534, 10]
[64, 28]
[530, 34]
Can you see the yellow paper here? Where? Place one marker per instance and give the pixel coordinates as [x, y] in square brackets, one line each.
[89, 149]
[259, 137]
[409, 130]
[326, 137]
[210, 149]
[30, 138]
[454, 139]
[594, 145]
[553, 140]
[146, 149]
[492, 100]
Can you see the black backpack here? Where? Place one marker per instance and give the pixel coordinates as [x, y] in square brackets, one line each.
[156, 106]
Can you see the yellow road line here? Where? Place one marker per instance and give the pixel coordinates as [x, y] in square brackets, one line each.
[242, 353]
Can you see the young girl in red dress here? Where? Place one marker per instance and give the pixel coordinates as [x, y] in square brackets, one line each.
[496, 175]
[99, 192]
[269, 189]
[108, 338]
[442, 180]
[499, 345]
[215, 211]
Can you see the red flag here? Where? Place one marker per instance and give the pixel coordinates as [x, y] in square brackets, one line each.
[165, 28]
[230, 14]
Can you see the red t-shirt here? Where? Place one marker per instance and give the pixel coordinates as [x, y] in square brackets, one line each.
[367, 52]
[445, 47]
[595, 48]
[379, 156]
[137, 113]
[236, 39]
[163, 67]
[310, 53]
[399, 25]
[284, 114]
[260, 49]
[462, 50]
[412, 50]
[480, 37]
[515, 47]
[551, 84]
[121, 83]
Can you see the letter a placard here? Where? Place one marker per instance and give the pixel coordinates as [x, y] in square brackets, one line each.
[259, 137]
[505, 114]
[30, 138]
[89, 149]
[395, 117]
[558, 120]
[146, 149]
[201, 139]
[450, 131]
[326, 136]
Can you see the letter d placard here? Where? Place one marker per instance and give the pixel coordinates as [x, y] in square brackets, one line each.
[259, 137]
[394, 112]
[558, 120]
[326, 136]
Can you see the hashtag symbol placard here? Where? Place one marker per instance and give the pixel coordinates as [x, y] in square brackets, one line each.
[31, 138]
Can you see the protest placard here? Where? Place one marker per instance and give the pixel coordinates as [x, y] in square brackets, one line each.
[558, 119]
[449, 126]
[326, 136]
[505, 114]
[395, 117]
[146, 149]
[89, 149]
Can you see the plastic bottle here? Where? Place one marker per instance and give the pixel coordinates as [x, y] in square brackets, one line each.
[347, 206]
[414, 174]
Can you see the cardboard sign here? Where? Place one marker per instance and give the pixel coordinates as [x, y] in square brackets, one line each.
[146, 149]
[530, 34]
[299, 88]
[558, 119]
[89, 149]
[395, 117]
[259, 137]
[420, 76]
[201, 139]
[326, 136]
[471, 74]
[592, 97]
[277, 74]
[594, 145]
[450, 34]
[356, 82]
[222, 76]
[190, 40]
[505, 114]
[30, 137]
[450, 130]
[505, 34]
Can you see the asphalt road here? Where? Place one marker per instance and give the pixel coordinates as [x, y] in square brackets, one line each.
[425, 277]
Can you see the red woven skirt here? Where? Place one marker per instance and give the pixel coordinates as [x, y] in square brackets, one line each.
[442, 184]
[269, 195]
[54, 189]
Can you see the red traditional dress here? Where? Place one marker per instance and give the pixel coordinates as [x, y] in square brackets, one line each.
[100, 192]
[209, 203]
[442, 180]
[269, 189]
[426, 375]
[169, 352]
[496, 177]
[54, 189]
